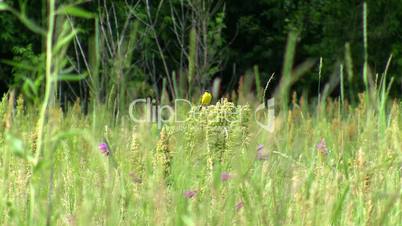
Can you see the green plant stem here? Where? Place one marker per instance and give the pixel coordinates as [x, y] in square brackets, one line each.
[42, 115]
[287, 70]
[342, 85]
[365, 66]
[49, 80]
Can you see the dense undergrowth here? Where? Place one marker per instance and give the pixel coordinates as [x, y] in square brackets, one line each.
[337, 165]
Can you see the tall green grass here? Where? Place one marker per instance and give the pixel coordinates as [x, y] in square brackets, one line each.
[333, 164]
[355, 181]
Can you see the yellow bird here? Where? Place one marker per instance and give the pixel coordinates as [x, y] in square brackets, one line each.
[206, 98]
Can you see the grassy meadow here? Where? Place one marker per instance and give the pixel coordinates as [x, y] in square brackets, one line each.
[329, 160]
[333, 165]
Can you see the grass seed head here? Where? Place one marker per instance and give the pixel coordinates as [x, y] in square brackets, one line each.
[34, 138]
[20, 106]
[163, 152]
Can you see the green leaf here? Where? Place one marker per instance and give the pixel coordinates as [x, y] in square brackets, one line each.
[67, 134]
[16, 145]
[30, 89]
[63, 41]
[18, 65]
[76, 11]
[3, 6]
[187, 220]
[71, 77]
[30, 24]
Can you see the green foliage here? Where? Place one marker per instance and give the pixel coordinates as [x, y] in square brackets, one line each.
[296, 185]
[332, 164]
[3, 6]
[75, 12]
[227, 40]
[324, 27]
[16, 145]
[27, 71]
[221, 129]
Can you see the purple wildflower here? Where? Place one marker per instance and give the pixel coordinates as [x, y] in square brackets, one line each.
[225, 176]
[322, 147]
[261, 155]
[104, 149]
[239, 205]
[190, 194]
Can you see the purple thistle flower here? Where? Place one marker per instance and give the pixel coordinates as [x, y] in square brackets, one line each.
[225, 176]
[239, 205]
[261, 155]
[322, 147]
[104, 149]
[189, 194]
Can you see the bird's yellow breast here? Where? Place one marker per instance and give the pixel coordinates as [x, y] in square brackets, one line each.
[206, 98]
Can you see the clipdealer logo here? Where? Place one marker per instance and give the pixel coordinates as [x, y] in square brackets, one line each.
[264, 114]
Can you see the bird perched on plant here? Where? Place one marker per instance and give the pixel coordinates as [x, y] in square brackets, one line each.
[206, 98]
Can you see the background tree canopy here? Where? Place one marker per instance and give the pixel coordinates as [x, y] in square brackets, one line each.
[146, 48]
